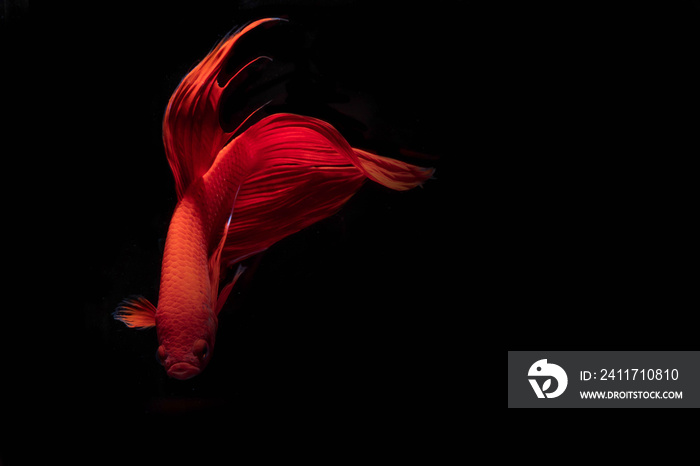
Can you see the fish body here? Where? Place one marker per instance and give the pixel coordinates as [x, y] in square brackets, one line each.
[237, 196]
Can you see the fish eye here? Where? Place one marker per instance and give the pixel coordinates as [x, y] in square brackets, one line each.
[160, 355]
[201, 349]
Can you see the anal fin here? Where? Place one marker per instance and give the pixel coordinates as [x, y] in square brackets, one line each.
[305, 172]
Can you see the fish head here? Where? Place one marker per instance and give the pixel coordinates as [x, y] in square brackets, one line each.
[187, 351]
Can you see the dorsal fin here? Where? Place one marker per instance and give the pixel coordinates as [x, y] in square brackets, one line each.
[192, 134]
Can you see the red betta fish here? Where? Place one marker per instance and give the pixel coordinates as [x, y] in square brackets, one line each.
[237, 196]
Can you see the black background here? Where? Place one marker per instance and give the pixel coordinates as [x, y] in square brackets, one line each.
[349, 313]
[561, 216]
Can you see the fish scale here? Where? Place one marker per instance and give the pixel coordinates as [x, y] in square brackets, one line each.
[184, 267]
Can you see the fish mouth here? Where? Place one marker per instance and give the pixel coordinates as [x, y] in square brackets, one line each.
[183, 371]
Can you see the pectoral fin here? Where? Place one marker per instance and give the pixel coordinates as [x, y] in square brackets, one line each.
[136, 313]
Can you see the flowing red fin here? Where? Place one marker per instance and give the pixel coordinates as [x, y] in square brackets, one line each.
[306, 171]
[226, 290]
[391, 173]
[192, 134]
[215, 264]
[136, 313]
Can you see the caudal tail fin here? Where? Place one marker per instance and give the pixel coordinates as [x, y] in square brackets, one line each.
[305, 171]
